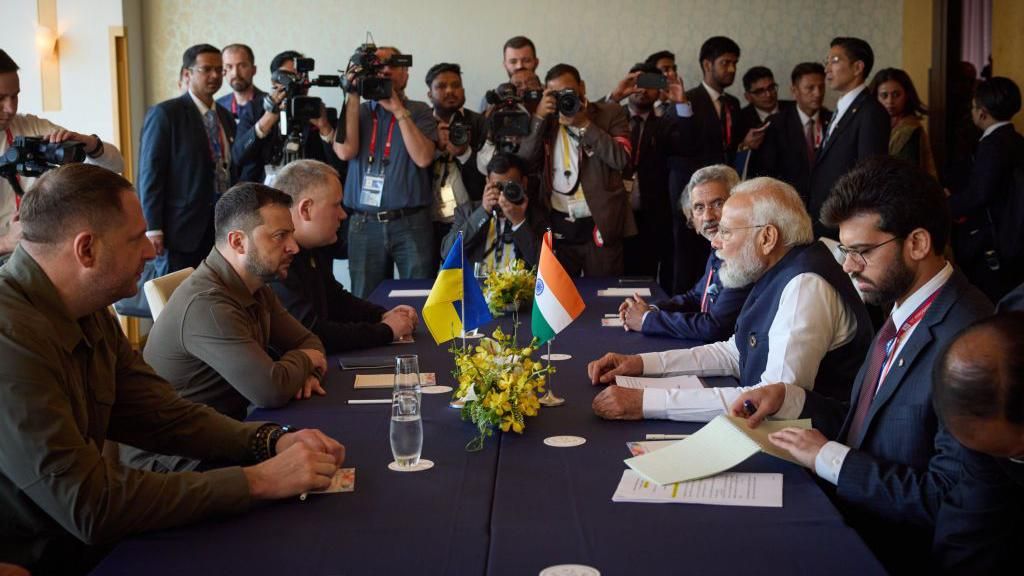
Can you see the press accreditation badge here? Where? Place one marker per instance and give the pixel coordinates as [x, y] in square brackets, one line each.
[373, 189]
[578, 209]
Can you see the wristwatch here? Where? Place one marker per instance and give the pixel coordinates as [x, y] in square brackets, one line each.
[275, 435]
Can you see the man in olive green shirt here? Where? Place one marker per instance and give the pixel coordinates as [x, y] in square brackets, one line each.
[224, 339]
[69, 381]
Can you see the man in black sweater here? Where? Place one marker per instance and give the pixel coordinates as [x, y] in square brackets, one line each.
[310, 292]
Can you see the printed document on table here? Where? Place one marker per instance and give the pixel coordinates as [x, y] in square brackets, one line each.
[730, 489]
[388, 380]
[720, 445]
[624, 292]
[685, 381]
[409, 293]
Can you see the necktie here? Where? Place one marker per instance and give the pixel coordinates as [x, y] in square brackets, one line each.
[637, 123]
[213, 134]
[809, 134]
[726, 117]
[870, 385]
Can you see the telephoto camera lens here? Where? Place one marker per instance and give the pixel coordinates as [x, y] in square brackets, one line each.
[512, 192]
[568, 102]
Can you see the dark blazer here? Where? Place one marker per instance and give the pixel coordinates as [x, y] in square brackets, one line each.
[782, 155]
[707, 148]
[978, 529]
[605, 156]
[662, 137]
[905, 461]
[862, 132]
[341, 320]
[176, 172]
[474, 223]
[252, 154]
[680, 316]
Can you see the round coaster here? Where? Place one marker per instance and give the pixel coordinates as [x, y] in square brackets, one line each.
[570, 570]
[564, 441]
[555, 358]
[457, 404]
[435, 389]
[423, 465]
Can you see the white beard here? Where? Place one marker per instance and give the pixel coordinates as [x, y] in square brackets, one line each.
[743, 270]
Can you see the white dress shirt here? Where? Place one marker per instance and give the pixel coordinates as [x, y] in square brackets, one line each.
[829, 461]
[715, 95]
[993, 128]
[811, 320]
[842, 106]
[29, 125]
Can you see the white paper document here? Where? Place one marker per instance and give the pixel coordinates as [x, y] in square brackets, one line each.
[731, 489]
[408, 293]
[684, 381]
[624, 292]
[720, 445]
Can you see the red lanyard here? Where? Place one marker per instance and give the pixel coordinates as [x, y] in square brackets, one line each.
[906, 327]
[234, 106]
[10, 142]
[387, 144]
[704, 298]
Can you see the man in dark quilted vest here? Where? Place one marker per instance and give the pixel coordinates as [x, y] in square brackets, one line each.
[802, 324]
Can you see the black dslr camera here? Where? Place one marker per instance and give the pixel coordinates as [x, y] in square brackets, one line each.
[512, 192]
[365, 68]
[31, 156]
[458, 131]
[509, 120]
[568, 102]
[298, 105]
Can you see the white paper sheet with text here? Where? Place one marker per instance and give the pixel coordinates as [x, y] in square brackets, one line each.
[730, 489]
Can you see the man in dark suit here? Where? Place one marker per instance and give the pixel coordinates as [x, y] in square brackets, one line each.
[185, 164]
[260, 142]
[505, 225]
[792, 141]
[583, 147]
[653, 139]
[762, 95]
[979, 394]
[715, 116]
[989, 207]
[859, 128]
[309, 291]
[892, 460]
[460, 134]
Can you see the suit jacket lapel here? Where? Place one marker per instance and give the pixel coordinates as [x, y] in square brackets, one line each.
[843, 122]
[920, 339]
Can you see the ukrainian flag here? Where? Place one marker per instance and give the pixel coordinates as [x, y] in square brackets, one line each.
[455, 302]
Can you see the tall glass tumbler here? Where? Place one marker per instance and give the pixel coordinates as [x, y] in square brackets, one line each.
[406, 418]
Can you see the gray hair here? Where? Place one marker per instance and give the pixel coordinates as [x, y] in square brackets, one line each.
[716, 173]
[300, 177]
[777, 203]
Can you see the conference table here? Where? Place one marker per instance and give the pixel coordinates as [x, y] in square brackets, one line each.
[517, 506]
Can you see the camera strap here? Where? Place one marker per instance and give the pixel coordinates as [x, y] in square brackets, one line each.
[10, 142]
[387, 144]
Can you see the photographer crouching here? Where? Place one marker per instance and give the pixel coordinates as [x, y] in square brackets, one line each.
[583, 147]
[28, 136]
[389, 145]
[503, 225]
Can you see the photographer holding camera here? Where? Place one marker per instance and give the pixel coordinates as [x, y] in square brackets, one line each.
[503, 226]
[13, 125]
[260, 142]
[584, 148]
[388, 180]
[460, 134]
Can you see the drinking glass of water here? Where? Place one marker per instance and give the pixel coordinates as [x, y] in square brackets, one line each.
[406, 420]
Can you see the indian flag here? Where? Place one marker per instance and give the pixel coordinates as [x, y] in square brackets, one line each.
[557, 303]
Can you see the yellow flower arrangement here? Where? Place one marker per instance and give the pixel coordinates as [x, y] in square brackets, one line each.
[498, 383]
[509, 287]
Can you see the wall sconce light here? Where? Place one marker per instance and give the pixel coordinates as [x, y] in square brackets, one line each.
[46, 41]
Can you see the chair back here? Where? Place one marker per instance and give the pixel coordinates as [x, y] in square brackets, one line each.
[159, 290]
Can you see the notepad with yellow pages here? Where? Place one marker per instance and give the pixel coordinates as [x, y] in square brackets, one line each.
[388, 380]
[719, 446]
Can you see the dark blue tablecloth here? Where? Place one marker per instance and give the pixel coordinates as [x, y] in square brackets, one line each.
[514, 508]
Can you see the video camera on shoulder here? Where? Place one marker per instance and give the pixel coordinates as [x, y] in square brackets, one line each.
[298, 104]
[30, 156]
[509, 120]
[365, 67]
